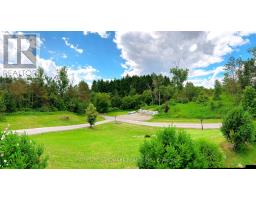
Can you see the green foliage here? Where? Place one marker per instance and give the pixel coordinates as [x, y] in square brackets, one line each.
[91, 114]
[217, 90]
[131, 102]
[116, 102]
[19, 152]
[102, 102]
[249, 100]
[122, 87]
[212, 105]
[212, 157]
[2, 104]
[43, 93]
[182, 100]
[147, 97]
[246, 73]
[179, 76]
[202, 99]
[190, 91]
[238, 128]
[62, 80]
[173, 149]
[166, 107]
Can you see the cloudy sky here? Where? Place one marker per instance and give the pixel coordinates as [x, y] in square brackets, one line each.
[108, 55]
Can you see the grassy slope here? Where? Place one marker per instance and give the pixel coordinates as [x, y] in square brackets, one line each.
[118, 112]
[192, 112]
[40, 119]
[117, 146]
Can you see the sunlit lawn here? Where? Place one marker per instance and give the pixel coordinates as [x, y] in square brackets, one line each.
[24, 120]
[116, 145]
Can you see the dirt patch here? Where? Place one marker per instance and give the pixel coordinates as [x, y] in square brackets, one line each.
[135, 117]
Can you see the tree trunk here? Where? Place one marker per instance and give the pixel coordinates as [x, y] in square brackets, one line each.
[159, 98]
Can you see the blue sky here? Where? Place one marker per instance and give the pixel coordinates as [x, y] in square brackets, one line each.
[108, 55]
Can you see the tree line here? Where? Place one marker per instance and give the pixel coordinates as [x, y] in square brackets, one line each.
[46, 93]
[43, 93]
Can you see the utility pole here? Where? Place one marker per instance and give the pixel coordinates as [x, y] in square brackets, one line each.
[202, 124]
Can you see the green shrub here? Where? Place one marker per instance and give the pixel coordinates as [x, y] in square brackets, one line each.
[213, 105]
[102, 102]
[183, 100]
[116, 102]
[19, 152]
[202, 99]
[91, 114]
[147, 97]
[238, 128]
[211, 156]
[175, 149]
[166, 107]
[132, 102]
[249, 100]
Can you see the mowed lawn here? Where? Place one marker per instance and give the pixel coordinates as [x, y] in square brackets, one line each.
[105, 146]
[22, 120]
[116, 145]
[183, 120]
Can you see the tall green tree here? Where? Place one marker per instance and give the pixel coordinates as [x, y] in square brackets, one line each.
[91, 114]
[63, 81]
[247, 72]
[190, 91]
[179, 76]
[83, 91]
[249, 100]
[157, 83]
[230, 76]
[217, 90]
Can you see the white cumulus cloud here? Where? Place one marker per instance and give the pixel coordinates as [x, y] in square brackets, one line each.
[72, 46]
[102, 34]
[76, 74]
[148, 52]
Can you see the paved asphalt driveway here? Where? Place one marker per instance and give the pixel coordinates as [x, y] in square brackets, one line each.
[108, 119]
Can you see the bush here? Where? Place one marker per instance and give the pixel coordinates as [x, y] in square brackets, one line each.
[147, 97]
[202, 99]
[172, 149]
[80, 108]
[131, 102]
[19, 152]
[116, 102]
[44, 109]
[238, 128]
[211, 156]
[166, 107]
[183, 100]
[213, 105]
[249, 100]
[91, 114]
[102, 102]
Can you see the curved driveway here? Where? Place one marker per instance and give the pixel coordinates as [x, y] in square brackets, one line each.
[108, 119]
[166, 124]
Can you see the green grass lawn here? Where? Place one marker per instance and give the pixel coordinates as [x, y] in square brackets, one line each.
[41, 119]
[105, 146]
[116, 145]
[189, 120]
[117, 112]
[194, 110]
